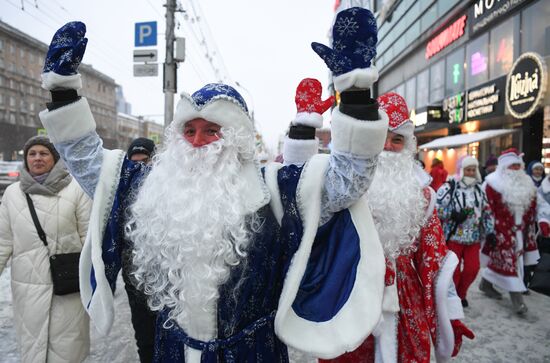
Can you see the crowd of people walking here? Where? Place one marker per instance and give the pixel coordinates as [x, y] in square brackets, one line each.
[356, 256]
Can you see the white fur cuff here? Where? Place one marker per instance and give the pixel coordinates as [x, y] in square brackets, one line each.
[312, 119]
[53, 81]
[361, 138]
[297, 152]
[360, 78]
[68, 122]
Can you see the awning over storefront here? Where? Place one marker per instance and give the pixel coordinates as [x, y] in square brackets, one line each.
[464, 139]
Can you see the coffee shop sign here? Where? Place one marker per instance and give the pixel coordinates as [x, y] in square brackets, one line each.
[526, 85]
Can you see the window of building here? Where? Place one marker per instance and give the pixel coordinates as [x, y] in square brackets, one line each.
[31, 57]
[22, 53]
[400, 90]
[410, 92]
[12, 117]
[12, 49]
[437, 81]
[423, 88]
[535, 32]
[1, 44]
[12, 101]
[1, 99]
[1, 63]
[22, 105]
[501, 57]
[477, 59]
[454, 70]
[31, 106]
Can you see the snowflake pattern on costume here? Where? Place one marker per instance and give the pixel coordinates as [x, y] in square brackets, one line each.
[66, 49]
[396, 108]
[308, 97]
[214, 91]
[354, 38]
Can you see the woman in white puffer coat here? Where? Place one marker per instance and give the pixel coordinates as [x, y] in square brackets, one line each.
[50, 328]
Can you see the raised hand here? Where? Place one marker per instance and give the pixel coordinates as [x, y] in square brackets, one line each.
[309, 104]
[354, 37]
[64, 56]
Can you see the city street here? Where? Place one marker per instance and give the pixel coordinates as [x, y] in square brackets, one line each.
[502, 336]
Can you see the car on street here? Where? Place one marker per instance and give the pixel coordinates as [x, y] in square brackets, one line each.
[9, 173]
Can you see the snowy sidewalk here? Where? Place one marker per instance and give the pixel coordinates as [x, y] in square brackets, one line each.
[501, 335]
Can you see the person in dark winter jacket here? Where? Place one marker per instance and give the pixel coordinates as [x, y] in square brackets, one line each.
[490, 166]
[535, 170]
[142, 150]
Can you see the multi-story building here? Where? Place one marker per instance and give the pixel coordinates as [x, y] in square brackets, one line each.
[472, 72]
[21, 97]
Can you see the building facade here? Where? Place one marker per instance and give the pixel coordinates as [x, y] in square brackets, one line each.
[22, 98]
[472, 72]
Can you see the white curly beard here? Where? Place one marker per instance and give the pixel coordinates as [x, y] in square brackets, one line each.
[397, 202]
[517, 191]
[188, 228]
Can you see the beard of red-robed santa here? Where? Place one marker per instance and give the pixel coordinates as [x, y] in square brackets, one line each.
[517, 191]
[397, 202]
[188, 228]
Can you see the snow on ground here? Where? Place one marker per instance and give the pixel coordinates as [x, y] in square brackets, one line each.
[501, 335]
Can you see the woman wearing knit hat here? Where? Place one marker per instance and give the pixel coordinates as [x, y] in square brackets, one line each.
[467, 220]
[50, 328]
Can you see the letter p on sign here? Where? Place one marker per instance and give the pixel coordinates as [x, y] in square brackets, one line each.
[146, 34]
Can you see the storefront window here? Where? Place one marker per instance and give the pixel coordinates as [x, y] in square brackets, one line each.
[454, 71]
[400, 90]
[502, 49]
[437, 81]
[423, 89]
[535, 31]
[410, 92]
[477, 57]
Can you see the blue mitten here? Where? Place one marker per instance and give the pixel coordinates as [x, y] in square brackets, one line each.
[64, 56]
[354, 37]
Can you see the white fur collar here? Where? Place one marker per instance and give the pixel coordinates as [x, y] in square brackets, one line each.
[495, 181]
[545, 185]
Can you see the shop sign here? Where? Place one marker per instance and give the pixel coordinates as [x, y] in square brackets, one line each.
[446, 37]
[526, 85]
[484, 12]
[485, 101]
[425, 115]
[453, 107]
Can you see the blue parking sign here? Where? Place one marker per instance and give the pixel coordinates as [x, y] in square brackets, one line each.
[146, 34]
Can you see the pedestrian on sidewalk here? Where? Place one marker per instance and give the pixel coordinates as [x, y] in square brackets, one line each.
[467, 220]
[438, 174]
[223, 249]
[512, 197]
[141, 150]
[419, 313]
[50, 328]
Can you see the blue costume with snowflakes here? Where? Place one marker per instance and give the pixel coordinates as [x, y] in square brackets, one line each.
[315, 265]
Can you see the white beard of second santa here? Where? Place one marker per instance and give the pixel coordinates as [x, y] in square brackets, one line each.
[188, 230]
[518, 191]
[397, 203]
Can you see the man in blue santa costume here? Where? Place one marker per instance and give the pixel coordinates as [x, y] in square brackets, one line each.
[237, 264]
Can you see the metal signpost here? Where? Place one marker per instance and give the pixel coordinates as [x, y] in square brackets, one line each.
[145, 35]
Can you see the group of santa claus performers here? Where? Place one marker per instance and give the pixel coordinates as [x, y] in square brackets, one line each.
[340, 256]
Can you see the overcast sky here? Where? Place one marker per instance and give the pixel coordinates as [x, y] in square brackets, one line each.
[264, 45]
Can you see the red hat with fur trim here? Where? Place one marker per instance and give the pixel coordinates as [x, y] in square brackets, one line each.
[509, 157]
[310, 107]
[396, 108]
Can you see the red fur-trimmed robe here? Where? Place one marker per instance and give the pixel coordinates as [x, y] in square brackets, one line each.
[417, 322]
[516, 243]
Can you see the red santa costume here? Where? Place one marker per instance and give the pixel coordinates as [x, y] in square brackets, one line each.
[512, 197]
[420, 304]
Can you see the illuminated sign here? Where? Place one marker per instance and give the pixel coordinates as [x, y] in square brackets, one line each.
[485, 12]
[526, 85]
[446, 37]
[485, 101]
[456, 73]
[425, 115]
[454, 108]
[478, 63]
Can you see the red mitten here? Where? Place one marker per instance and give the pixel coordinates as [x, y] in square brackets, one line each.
[309, 104]
[459, 329]
[544, 229]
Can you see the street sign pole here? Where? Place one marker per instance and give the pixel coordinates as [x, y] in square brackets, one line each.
[170, 77]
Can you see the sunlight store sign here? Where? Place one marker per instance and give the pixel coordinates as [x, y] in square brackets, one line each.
[446, 37]
[526, 85]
